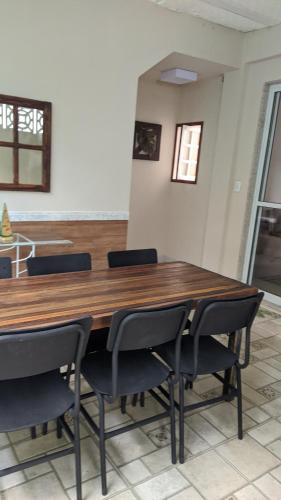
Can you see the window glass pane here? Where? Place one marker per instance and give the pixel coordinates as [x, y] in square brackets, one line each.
[188, 154]
[273, 183]
[6, 122]
[30, 126]
[267, 266]
[30, 166]
[6, 165]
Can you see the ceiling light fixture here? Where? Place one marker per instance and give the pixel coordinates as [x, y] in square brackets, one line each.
[178, 76]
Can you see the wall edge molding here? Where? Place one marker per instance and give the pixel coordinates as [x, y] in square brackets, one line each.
[19, 216]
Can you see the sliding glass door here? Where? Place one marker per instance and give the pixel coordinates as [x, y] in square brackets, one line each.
[263, 255]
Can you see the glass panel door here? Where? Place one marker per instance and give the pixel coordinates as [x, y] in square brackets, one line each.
[263, 256]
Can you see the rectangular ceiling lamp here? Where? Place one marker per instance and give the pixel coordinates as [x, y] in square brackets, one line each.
[178, 76]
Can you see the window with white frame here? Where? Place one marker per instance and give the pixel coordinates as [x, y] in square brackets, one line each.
[187, 152]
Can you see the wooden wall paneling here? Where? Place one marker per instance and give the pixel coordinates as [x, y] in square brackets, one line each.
[95, 237]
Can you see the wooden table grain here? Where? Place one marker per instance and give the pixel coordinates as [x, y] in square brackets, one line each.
[45, 300]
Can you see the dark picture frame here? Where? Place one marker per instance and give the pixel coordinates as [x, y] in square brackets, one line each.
[147, 139]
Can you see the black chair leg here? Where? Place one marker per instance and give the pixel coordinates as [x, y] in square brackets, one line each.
[77, 452]
[239, 403]
[172, 422]
[102, 444]
[123, 404]
[142, 399]
[135, 399]
[45, 428]
[181, 419]
[33, 432]
[59, 429]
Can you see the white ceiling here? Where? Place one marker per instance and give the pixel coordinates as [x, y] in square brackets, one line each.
[242, 15]
[205, 69]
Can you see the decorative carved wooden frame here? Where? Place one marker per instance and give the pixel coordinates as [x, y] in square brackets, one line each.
[46, 107]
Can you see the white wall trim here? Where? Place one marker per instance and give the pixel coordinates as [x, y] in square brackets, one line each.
[17, 216]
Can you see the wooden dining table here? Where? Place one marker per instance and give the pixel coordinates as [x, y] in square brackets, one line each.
[45, 300]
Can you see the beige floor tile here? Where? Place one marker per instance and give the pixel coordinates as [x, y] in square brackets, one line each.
[275, 363]
[266, 433]
[269, 486]
[188, 494]
[128, 446]
[274, 342]
[151, 407]
[252, 395]
[114, 418]
[7, 459]
[91, 490]
[277, 386]
[275, 448]
[90, 464]
[249, 493]
[269, 370]
[256, 378]
[37, 470]
[273, 407]
[4, 441]
[257, 415]
[193, 442]
[267, 352]
[206, 385]
[277, 473]
[162, 486]
[158, 460]
[126, 495]
[161, 436]
[135, 471]
[43, 488]
[267, 329]
[205, 429]
[224, 418]
[249, 457]
[40, 445]
[212, 476]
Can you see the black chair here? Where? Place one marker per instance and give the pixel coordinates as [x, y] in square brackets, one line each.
[140, 257]
[202, 354]
[67, 263]
[54, 264]
[32, 389]
[132, 257]
[127, 366]
[5, 267]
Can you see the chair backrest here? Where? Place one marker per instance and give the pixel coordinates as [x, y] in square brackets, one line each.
[132, 257]
[5, 267]
[142, 328]
[53, 264]
[224, 316]
[33, 352]
[215, 316]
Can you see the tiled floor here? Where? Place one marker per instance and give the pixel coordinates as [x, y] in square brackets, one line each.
[217, 466]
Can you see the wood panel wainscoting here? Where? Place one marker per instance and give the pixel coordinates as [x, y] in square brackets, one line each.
[94, 236]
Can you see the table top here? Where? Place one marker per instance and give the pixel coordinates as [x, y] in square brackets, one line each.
[19, 240]
[44, 300]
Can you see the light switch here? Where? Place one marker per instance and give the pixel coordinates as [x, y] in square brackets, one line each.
[237, 186]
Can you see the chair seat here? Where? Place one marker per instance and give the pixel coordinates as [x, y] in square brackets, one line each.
[138, 371]
[212, 355]
[33, 400]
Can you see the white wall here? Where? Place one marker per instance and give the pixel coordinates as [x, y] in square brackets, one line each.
[188, 203]
[85, 57]
[150, 188]
[208, 224]
[172, 216]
